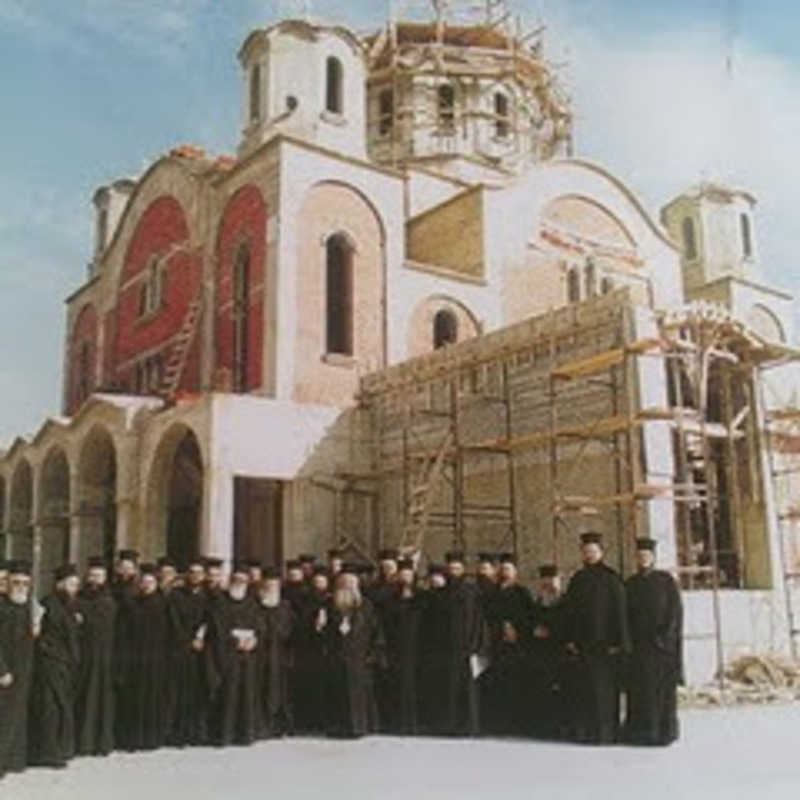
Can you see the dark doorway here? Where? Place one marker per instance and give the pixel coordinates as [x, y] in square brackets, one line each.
[184, 500]
[258, 519]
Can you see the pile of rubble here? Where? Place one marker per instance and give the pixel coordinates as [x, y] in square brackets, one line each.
[749, 679]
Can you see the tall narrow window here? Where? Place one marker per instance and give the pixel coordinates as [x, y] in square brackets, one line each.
[339, 311]
[83, 372]
[689, 239]
[747, 239]
[102, 229]
[446, 98]
[573, 285]
[241, 308]
[255, 93]
[500, 115]
[590, 278]
[334, 75]
[385, 112]
[144, 303]
[445, 329]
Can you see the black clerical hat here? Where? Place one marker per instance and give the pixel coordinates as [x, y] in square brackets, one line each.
[644, 543]
[591, 537]
[487, 558]
[65, 571]
[454, 555]
[239, 567]
[306, 558]
[19, 566]
[436, 569]
[388, 554]
[253, 563]
[166, 561]
[271, 573]
[548, 571]
[507, 558]
[320, 569]
[148, 569]
[405, 563]
[335, 552]
[96, 561]
[196, 561]
[211, 561]
[351, 568]
[293, 563]
[128, 555]
[366, 569]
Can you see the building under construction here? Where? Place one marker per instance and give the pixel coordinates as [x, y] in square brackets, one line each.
[405, 313]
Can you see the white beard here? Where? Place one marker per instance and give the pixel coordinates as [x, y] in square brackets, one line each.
[18, 596]
[270, 599]
[346, 599]
[237, 592]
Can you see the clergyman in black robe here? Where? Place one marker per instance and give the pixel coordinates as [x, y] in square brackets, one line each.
[235, 631]
[513, 607]
[124, 590]
[486, 582]
[94, 706]
[146, 658]
[188, 701]
[596, 640]
[434, 679]
[402, 618]
[380, 594]
[57, 654]
[655, 616]
[354, 646]
[277, 717]
[16, 667]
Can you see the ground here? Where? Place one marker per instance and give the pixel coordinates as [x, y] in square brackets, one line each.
[729, 753]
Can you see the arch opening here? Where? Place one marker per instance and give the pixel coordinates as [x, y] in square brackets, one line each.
[54, 510]
[97, 496]
[20, 527]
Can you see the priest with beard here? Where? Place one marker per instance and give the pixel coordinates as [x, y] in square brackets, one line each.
[354, 646]
[144, 704]
[596, 639]
[466, 649]
[94, 708]
[277, 718]
[380, 594]
[511, 646]
[124, 590]
[402, 617]
[307, 673]
[56, 655]
[188, 700]
[546, 711]
[655, 617]
[235, 634]
[295, 589]
[16, 668]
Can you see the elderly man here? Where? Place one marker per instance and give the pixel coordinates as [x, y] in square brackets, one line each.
[655, 617]
[277, 718]
[353, 645]
[95, 693]
[596, 635]
[16, 667]
[236, 630]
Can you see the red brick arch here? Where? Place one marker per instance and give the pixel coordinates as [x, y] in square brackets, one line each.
[243, 223]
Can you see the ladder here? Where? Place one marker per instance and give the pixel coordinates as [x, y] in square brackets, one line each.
[179, 354]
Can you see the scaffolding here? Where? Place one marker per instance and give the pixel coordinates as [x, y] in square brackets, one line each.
[569, 395]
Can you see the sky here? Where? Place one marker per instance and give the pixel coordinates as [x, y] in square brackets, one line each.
[665, 94]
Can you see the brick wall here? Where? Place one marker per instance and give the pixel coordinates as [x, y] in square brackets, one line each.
[244, 221]
[84, 332]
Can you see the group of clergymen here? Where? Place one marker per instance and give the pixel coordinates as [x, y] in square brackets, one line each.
[160, 658]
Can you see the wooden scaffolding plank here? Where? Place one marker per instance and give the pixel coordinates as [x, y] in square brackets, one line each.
[590, 365]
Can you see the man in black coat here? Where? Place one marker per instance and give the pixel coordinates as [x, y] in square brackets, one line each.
[277, 717]
[486, 579]
[597, 640]
[56, 654]
[124, 590]
[511, 647]
[354, 645]
[402, 616]
[434, 655]
[187, 608]
[94, 707]
[381, 593]
[655, 617]
[546, 698]
[16, 668]
[235, 631]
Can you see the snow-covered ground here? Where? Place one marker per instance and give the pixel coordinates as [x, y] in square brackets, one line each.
[725, 754]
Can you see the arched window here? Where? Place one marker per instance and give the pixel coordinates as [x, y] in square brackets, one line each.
[500, 115]
[689, 239]
[590, 278]
[446, 98]
[747, 239]
[385, 111]
[83, 372]
[573, 285]
[241, 308]
[255, 93]
[334, 75]
[339, 296]
[445, 328]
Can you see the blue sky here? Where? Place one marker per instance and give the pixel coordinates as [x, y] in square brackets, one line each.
[95, 89]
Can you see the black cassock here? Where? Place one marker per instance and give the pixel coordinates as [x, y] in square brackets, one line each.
[124, 593]
[142, 695]
[546, 698]
[307, 671]
[56, 660]
[276, 709]
[188, 675]
[402, 617]
[235, 672]
[434, 682]
[16, 657]
[352, 651]
[490, 702]
[383, 714]
[464, 635]
[596, 624]
[513, 606]
[94, 705]
[655, 618]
